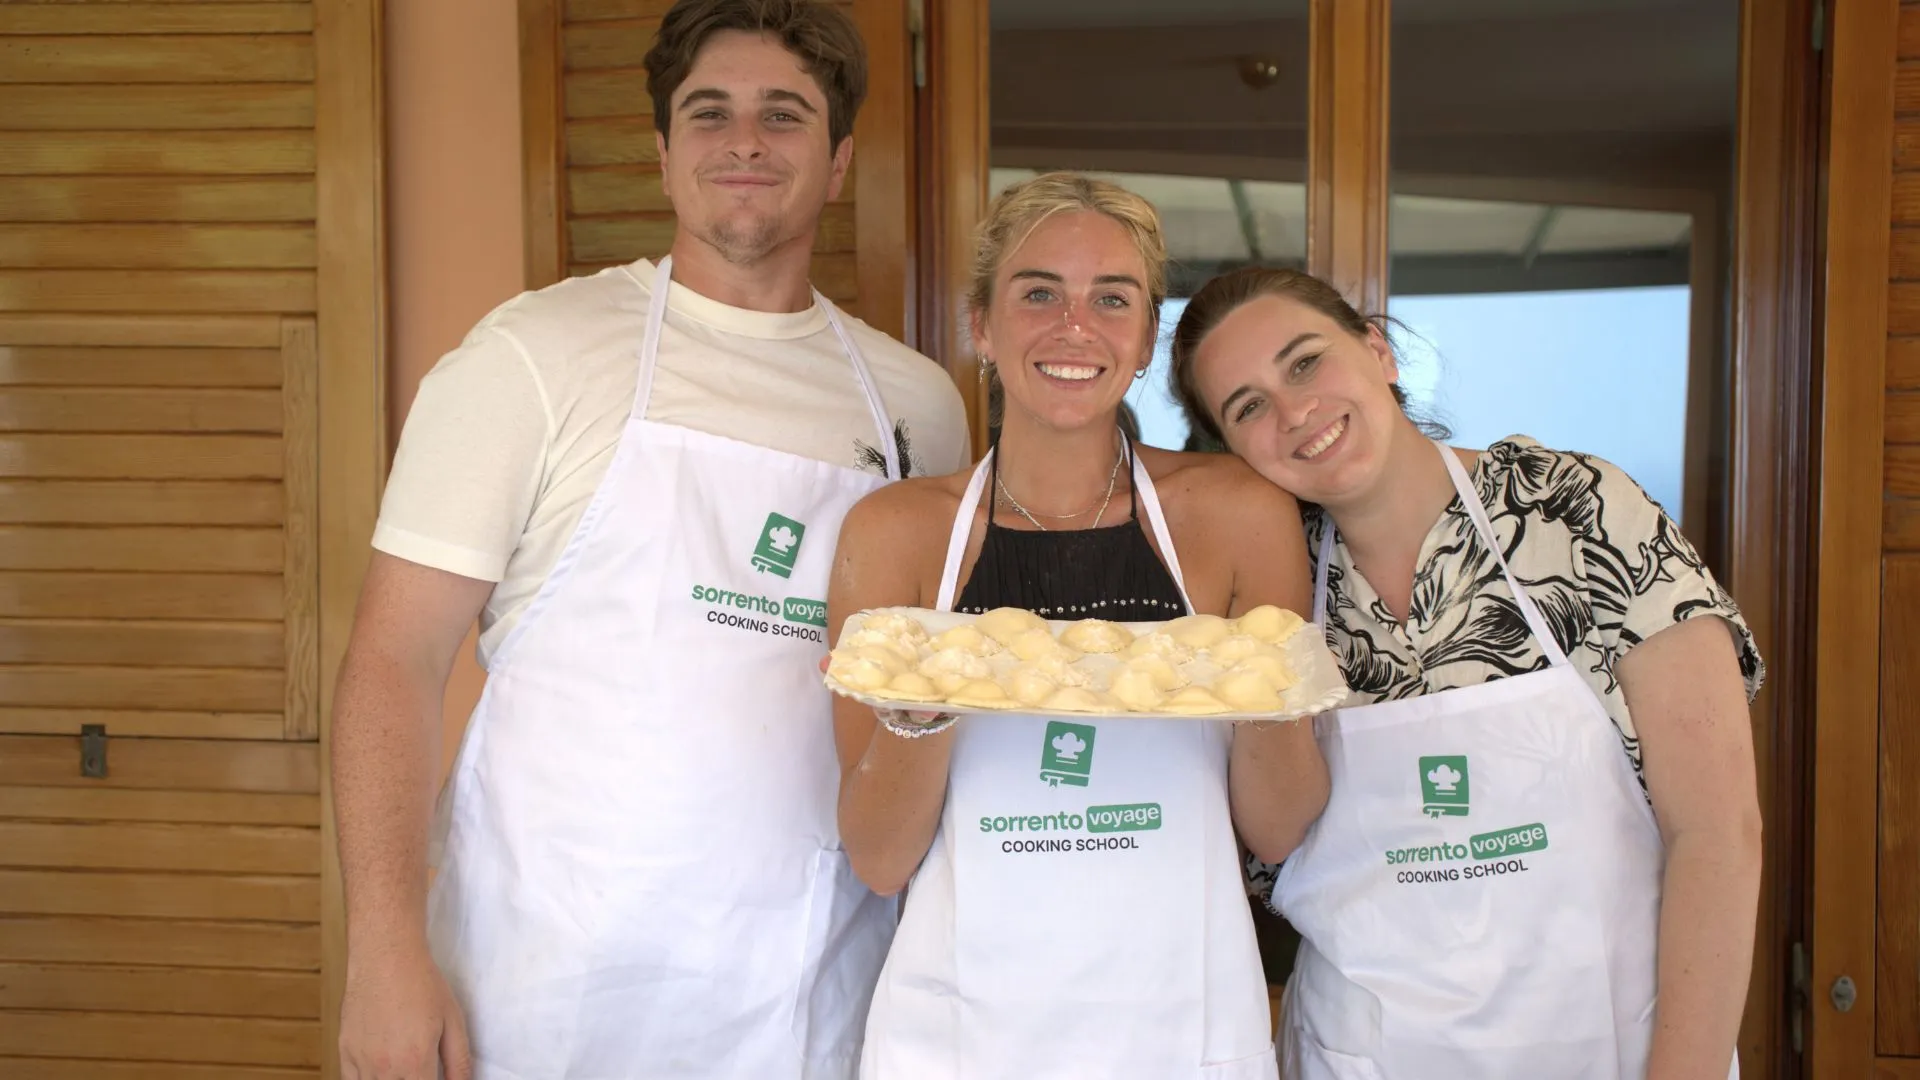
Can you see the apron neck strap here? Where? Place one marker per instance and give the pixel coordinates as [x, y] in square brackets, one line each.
[1470, 498]
[650, 351]
[1143, 493]
[962, 529]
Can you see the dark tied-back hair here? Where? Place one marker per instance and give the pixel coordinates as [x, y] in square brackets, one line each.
[823, 38]
[1224, 295]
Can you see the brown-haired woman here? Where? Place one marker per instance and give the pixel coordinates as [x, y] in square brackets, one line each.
[1035, 943]
[1488, 892]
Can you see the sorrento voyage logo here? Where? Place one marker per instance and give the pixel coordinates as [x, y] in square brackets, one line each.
[776, 552]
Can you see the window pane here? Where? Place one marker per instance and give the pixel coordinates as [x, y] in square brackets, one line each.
[1198, 105]
[1561, 182]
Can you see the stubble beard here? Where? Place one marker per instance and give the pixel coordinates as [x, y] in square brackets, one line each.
[743, 243]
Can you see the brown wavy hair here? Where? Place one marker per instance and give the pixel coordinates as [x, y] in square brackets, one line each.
[823, 38]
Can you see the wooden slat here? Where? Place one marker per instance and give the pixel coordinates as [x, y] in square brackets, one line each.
[1904, 259]
[1897, 951]
[610, 44]
[123, 804]
[160, 895]
[1903, 417]
[141, 457]
[141, 644]
[1906, 89]
[1903, 308]
[146, 331]
[630, 189]
[168, 502]
[88, 940]
[74, 988]
[140, 153]
[1906, 143]
[39, 1068]
[156, 198]
[134, 1037]
[243, 689]
[1903, 363]
[300, 572]
[230, 849]
[50, 365]
[1887, 1068]
[140, 547]
[1906, 199]
[155, 107]
[587, 10]
[1903, 471]
[140, 596]
[157, 290]
[1900, 525]
[151, 247]
[144, 723]
[172, 59]
[155, 18]
[167, 764]
[142, 410]
[611, 92]
[623, 239]
[614, 141]
[1908, 41]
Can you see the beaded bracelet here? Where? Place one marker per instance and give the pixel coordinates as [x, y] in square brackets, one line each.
[905, 725]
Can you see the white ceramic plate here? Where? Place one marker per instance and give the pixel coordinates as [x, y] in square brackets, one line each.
[1320, 687]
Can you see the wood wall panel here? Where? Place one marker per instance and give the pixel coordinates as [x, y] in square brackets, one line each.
[161, 256]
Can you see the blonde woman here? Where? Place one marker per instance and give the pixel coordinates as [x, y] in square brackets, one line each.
[1036, 943]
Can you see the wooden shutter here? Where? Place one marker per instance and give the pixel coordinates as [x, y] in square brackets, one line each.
[161, 540]
[593, 176]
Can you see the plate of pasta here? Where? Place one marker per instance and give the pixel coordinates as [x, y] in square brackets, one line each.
[1268, 664]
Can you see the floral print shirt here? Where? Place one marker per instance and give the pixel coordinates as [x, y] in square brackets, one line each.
[1604, 563]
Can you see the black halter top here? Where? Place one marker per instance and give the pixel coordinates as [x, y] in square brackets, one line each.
[1110, 572]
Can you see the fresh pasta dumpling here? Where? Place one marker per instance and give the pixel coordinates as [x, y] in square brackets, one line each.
[1061, 669]
[1234, 648]
[1096, 636]
[1270, 667]
[1074, 699]
[896, 626]
[886, 658]
[967, 638]
[982, 694]
[1030, 686]
[1247, 691]
[1161, 645]
[1194, 701]
[910, 686]
[1270, 623]
[864, 639]
[1038, 643]
[956, 662]
[1005, 624]
[1159, 670]
[858, 674]
[1198, 631]
[1137, 690]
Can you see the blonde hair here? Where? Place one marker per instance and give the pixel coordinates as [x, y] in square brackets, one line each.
[1022, 208]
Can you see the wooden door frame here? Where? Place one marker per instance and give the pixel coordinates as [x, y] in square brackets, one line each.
[1857, 221]
[349, 135]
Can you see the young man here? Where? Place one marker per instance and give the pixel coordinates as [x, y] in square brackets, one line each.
[635, 481]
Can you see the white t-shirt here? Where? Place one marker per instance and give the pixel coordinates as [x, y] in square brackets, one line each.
[512, 432]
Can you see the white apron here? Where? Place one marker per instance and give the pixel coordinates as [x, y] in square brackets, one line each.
[642, 872]
[1081, 912]
[1481, 897]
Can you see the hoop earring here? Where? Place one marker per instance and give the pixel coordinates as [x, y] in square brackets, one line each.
[1140, 373]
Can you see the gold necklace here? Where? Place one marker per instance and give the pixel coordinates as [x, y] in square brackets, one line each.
[1113, 477]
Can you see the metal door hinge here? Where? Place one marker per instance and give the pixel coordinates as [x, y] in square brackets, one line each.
[93, 751]
[917, 31]
[1797, 994]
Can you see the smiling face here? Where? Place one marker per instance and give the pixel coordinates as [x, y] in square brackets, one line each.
[1070, 320]
[751, 162]
[1306, 402]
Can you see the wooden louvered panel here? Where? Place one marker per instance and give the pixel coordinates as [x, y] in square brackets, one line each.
[234, 849]
[187, 943]
[98, 803]
[86, 594]
[165, 765]
[141, 547]
[156, 643]
[122, 410]
[140, 331]
[144, 457]
[39, 1068]
[139, 58]
[157, 290]
[90, 686]
[139, 153]
[187, 18]
[51, 365]
[146, 723]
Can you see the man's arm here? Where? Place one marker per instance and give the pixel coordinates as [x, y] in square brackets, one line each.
[398, 1020]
